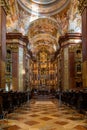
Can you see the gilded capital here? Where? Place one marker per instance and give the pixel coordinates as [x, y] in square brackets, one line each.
[5, 5]
[82, 5]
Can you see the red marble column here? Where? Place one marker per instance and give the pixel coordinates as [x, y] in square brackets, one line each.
[18, 44]
[72, 69]
[15, 70]
[84, 34]
[2, 46]
[84, 46]
[69, 44]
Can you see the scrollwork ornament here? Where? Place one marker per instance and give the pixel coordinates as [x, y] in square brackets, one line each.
[5, 5]
[82, 5]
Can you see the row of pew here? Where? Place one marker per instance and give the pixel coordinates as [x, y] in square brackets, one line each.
[11, 100]
[74, 99]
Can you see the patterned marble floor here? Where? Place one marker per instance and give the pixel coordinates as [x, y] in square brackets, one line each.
[44, 115]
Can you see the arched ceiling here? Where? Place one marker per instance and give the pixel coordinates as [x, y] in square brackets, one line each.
[43, 25]
[41, 47]
[43, 31]
[43, 7]
[43, 21]
[48, 39]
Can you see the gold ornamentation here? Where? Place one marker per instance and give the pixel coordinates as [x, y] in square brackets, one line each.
[82, 5]
[5, 5]
[13, 47]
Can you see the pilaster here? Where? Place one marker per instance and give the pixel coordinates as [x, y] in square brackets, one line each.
[69, 45]
[18, 44]
[83, 10]
[2, 44]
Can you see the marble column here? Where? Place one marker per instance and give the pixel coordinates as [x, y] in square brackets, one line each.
[64, 68]
[68, 43]
[18, 44]
[3, 12]
[83, 10]
[72, 66]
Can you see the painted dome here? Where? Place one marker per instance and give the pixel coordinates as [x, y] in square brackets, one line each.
[43, 7]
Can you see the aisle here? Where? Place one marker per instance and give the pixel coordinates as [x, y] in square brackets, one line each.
[44, 115]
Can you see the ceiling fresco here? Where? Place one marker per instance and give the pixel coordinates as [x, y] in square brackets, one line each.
[43, 31]
[43, 25]
[43, 21]
[36, 49]
[48, 39]
[43, 7]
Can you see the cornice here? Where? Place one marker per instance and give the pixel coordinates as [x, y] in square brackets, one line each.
[17, 36]
[69, 38]
[82, 5]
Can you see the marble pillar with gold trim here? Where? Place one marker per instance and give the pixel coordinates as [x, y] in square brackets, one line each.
[67, 52]
[72, 83]
[17, 42]
[59, 72]
[66, 69]
[15, 78]
[64, 74]
[3, 12]
[83, 10]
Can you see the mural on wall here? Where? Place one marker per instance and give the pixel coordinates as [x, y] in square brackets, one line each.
[69, 19]
[23, 21]
[19, 20]
[12, 17]
[75, 17]
[62, 20]
[11, 24]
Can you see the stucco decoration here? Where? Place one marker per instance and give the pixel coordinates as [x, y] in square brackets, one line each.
[43, 21]
[38, 48]
[62, 20]
[43, 25]
[44, 7]
[44, 38]
[75, 17]
[12, 17]
[11, 24]
[20, 20]
[43, 32]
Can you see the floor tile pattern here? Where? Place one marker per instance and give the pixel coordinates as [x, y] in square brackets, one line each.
[44, 115]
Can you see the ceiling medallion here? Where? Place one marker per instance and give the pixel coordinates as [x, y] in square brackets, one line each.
[43, 1]
[43, 7]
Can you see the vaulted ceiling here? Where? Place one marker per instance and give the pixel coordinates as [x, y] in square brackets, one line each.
[43, 7]
[43, 21]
